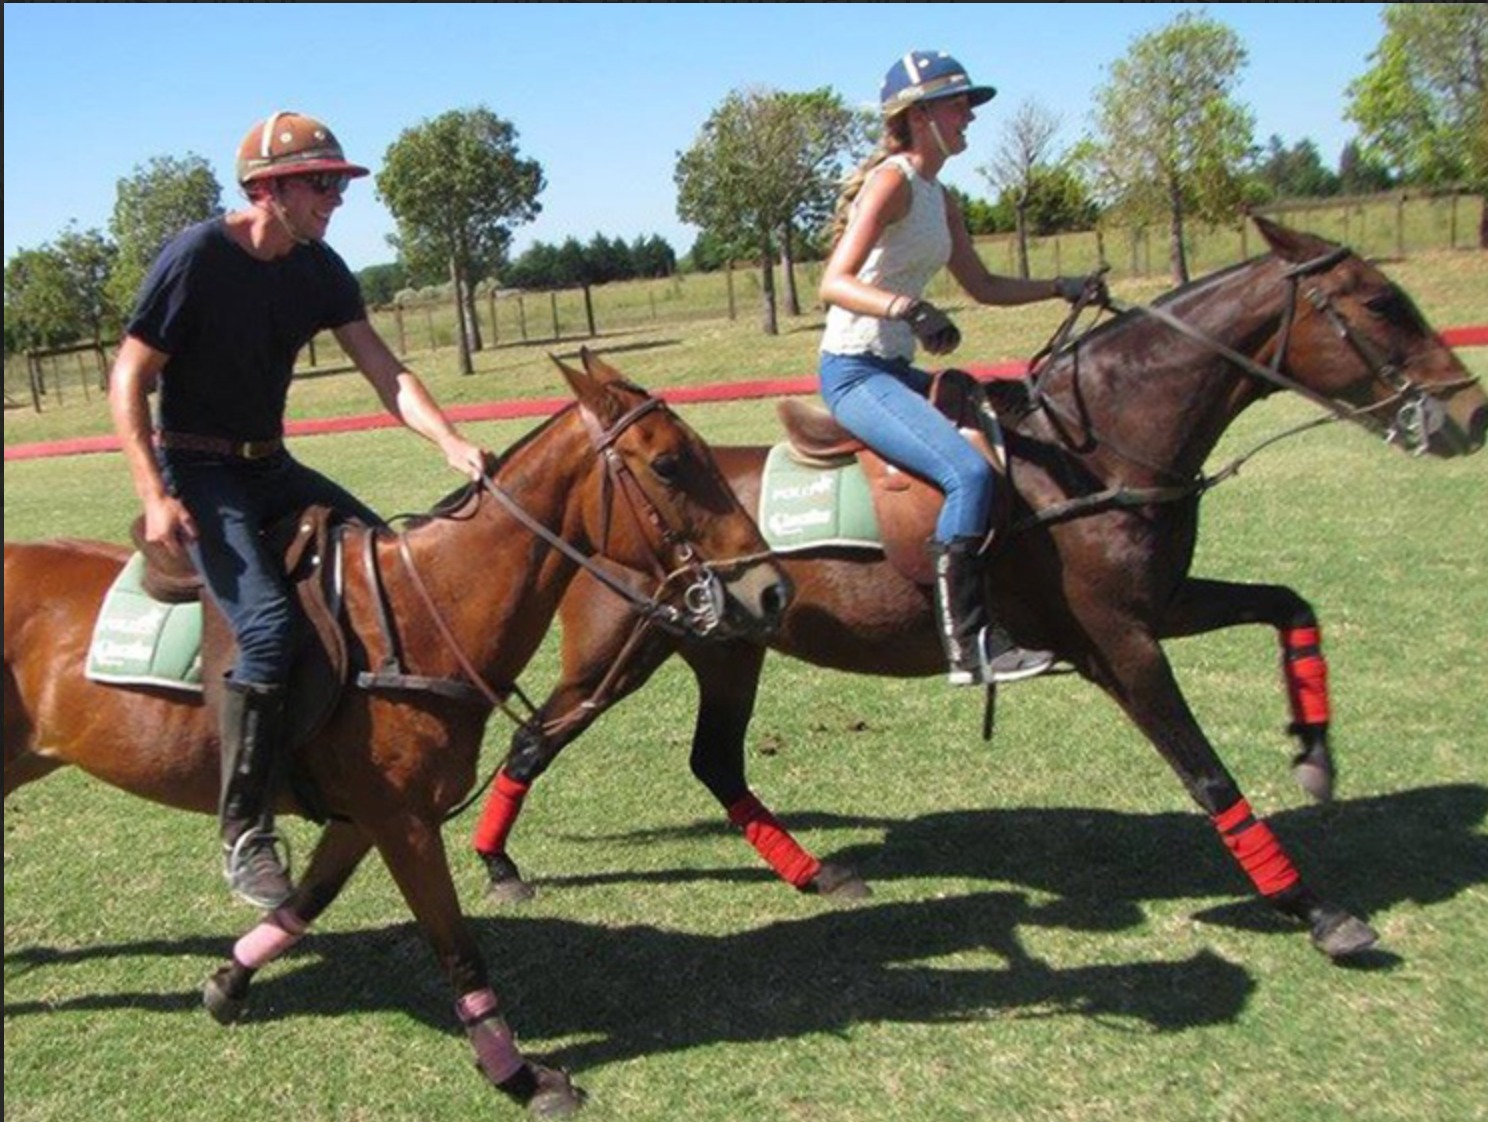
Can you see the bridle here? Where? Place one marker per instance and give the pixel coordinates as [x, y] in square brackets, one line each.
[682, 574]
[1418, 410]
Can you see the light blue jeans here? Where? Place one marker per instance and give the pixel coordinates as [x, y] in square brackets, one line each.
[882, 402]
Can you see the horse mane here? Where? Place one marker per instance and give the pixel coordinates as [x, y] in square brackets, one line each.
[456, 503]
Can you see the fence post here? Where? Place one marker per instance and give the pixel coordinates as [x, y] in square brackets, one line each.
[429, 326]
[553, 304]
[1400, 225]
[729, 278]
[495, 328]
[402, 334]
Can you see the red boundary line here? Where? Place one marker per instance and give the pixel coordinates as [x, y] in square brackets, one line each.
[1476, 336]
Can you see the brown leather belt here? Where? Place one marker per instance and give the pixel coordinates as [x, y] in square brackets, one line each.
[220, 445]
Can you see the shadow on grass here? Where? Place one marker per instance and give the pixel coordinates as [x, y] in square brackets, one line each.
[637, 990]
[1367, 854]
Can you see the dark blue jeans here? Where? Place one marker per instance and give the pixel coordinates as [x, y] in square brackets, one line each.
[882, 402]
[233, 501]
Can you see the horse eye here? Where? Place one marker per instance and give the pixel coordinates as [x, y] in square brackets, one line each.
[667, 468]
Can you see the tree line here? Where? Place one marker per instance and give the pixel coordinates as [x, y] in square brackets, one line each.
[1170, 144]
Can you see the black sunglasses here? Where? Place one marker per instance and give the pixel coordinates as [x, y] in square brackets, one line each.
[324, 182]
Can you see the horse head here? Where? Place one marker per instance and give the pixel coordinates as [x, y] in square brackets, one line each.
[1356, 339]
[667, 510]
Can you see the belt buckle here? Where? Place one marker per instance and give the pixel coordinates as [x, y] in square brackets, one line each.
[255, 449]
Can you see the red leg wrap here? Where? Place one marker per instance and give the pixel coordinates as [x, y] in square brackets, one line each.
[771, 841]
[500, 814]
[1306, 673]
[1251, 842]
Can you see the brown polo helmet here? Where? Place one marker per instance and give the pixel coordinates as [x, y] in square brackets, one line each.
[290, 143]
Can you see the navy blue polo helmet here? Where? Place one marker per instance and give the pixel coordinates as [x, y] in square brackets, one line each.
[927, 76]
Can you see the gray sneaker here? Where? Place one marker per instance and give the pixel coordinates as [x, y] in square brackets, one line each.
[254, 870]
[1002, 661]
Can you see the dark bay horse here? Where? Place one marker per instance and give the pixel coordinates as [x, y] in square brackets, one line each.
[1107, 467]
[473, 591]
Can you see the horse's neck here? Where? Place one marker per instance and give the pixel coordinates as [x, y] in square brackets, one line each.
[496, 584]
[1152, 398]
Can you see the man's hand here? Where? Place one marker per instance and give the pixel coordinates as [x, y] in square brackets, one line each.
[932, 327]
[466, 458]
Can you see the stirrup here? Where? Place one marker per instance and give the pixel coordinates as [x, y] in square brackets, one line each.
[254, 871]
[1004, 661]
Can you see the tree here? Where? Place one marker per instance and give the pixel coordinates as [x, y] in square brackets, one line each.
[1422, 108]
[89, 260]
[1027, 137]
[763, 163]
[457, 187]
[39, 309]
[60, 292]
[1171, 142]
[151, 206]
[1296, 172]
[1359, 174]
[382, 283]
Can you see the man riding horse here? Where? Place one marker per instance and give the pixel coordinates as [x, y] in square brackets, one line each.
[225, 309]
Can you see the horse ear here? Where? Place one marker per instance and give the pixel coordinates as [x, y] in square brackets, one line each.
[591, 386]
[1291, 245]
[598, 369]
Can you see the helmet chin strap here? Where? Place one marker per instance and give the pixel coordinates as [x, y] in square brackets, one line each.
[282, 216]
[939, 140]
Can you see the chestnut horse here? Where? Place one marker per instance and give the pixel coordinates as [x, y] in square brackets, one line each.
[1107, 463]
[473, 591]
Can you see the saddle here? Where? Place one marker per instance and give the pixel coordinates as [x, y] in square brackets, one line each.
[905, 504]
[310, 545]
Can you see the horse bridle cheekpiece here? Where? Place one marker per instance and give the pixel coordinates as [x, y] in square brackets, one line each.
[676, 561]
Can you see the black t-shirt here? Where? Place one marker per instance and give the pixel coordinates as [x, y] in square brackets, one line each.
[232, 326]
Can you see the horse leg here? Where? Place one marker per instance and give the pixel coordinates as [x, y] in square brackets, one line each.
[1139, 677]
[337, 854]
[1202, 606]
[585, 691]
[415, 856]
[22, 765]
[728, 682]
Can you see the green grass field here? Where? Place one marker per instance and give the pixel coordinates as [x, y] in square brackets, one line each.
[1055, 935]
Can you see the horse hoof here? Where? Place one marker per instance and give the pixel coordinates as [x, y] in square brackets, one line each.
[224, 1007]
[1339, 935]
[839, 883]
[1315, 779]
[512, 891]
[556, 1096]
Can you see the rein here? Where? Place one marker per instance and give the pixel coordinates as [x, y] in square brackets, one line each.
[702, 598]
[1419, 412]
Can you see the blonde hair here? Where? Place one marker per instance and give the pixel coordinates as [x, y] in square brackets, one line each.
[895, 139]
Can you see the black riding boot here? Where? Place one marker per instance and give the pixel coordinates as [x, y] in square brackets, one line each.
[978, 648]
[252, 744]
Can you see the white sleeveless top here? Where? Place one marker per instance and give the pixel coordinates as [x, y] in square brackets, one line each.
[908, 254]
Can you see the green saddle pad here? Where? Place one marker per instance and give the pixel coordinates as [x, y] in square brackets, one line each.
[806, 506]
[140, 641]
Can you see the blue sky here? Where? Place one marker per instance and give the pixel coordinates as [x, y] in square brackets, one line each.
[604, 96]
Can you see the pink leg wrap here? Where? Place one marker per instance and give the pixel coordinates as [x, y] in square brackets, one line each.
[1251, 842]
[495, 1047]
[270, 939]
[500, 814]
[1306, 674]
[771, 840]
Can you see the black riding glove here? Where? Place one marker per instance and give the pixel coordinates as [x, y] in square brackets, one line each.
[932, 327]
[1092, 289]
